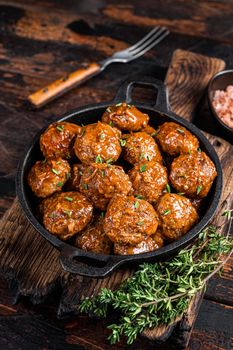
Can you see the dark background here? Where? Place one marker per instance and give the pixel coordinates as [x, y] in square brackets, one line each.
[41, 41]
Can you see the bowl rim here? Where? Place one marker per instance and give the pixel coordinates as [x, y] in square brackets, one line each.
[209, 89]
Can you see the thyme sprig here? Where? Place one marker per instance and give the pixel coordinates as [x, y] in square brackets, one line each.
[159, 293]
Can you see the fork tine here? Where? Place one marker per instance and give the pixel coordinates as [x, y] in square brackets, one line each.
[149, 41]
[147, 36]
[140, 53]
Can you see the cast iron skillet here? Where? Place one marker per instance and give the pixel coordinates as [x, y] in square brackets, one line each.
[89, 264]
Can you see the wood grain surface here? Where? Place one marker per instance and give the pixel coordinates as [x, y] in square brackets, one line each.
[41, 41]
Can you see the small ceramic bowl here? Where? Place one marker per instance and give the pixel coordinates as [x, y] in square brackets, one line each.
[220, 81]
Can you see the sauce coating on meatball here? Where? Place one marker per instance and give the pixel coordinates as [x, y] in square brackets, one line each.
[193, 174]
[73, 182]
[176, 215]
[175, 139]
[98, 141]
[48, 176]
[140, 147]
[149, 180]
[125, 117]
[129, 219]
[93, 239]
[100, 182]
[58, 140]
[66, 214]
[148, 244]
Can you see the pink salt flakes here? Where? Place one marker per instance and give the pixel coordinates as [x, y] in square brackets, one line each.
[223, 104]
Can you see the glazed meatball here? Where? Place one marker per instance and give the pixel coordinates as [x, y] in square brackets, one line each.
[128, 220]
[174, 139]
[193, 174]
[48, 176]
[100, 182]
[73, 182]
[93, 238]
[125, 117]
[140, 147]
[66, 214]
[149, 180]
[98, 141]
[148, 244]
[58, 140]
[176, 215]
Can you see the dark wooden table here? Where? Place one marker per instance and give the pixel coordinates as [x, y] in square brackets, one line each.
[39, 42]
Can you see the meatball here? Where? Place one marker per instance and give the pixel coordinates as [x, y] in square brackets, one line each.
[74, 180]
[98, 142]
[48, 176]
[174, 139]
[125, 117]
[58, 140]
[140, 146]
[93, 238]
[193, 174]
[148, 244]
[149, 180]
[129, 220]
[66, 214]
[100, 182]
[176, 215]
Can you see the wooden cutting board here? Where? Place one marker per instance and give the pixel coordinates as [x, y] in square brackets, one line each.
[33, 264]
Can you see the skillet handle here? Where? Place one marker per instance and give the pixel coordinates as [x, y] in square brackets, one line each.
[124, 93]
[74, 260]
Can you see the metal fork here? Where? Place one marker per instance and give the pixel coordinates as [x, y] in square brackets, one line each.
[60, 86]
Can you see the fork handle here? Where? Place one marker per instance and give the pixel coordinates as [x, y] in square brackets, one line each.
[61, 86]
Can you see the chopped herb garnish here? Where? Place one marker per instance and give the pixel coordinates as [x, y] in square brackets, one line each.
[99, 159]
[44, 161]
[199, 188]
[140, 223]
[80, 172]
[60, 128]
[68, 175]
[143, 168]
[180, 193]
[58, 163]
[122, 142]
[55, 171]
[109, 110]
[168, 188]
[199, 149]
[142, 155]
[166, 212]
[68, 212]
[119, 104]
[59, 184]
[155, 133]
[136, 205]
[111, 123]
[103, 173]
[129, 106]
[69, 199]
[83, 132]
[180, 131]
[85, 186]
[148, 157]
[109, 161]
[140, 197]
[82, 125]
[189, 151]
[101, 137]
[102, 214]
[68, 156]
